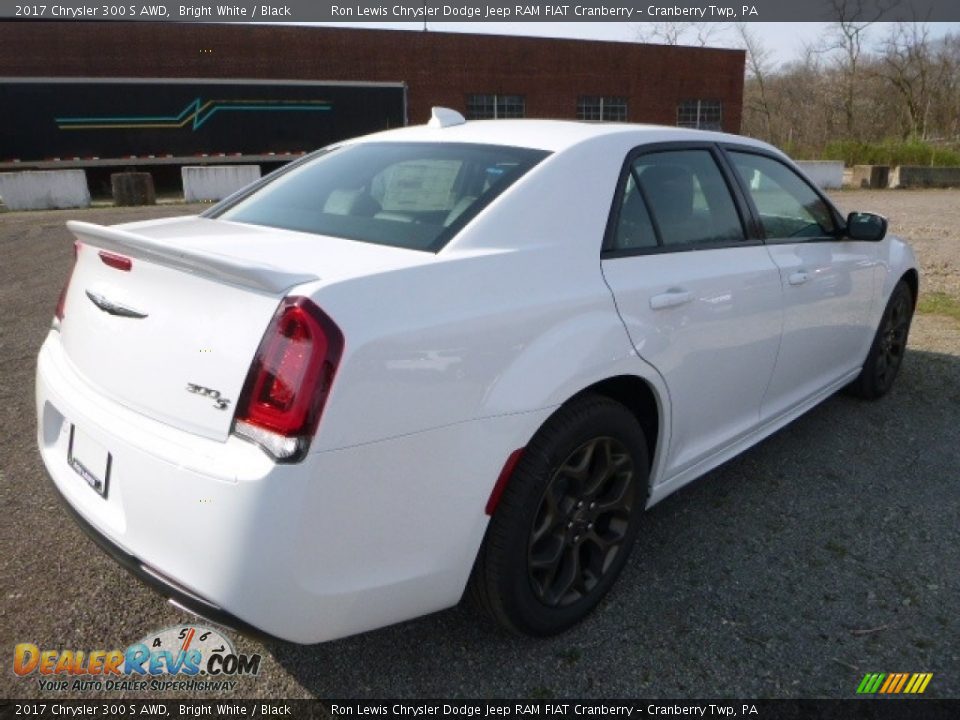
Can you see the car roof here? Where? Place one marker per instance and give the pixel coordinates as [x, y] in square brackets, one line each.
[552, 135]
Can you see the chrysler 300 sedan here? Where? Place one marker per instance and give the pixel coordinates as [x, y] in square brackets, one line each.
[461, 358]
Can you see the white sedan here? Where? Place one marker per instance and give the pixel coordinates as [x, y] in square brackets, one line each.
[458, 357]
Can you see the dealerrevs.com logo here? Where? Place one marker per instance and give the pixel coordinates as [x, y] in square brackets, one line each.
[180, 657]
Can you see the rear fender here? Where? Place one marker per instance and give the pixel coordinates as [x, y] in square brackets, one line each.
[567, 359]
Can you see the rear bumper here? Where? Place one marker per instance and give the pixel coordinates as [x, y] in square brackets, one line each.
[345, 541]
[167, 588]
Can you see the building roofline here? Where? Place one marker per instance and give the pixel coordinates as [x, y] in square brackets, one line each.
[307, 27]
[197, 81]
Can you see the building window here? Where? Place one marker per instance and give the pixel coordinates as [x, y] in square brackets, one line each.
[596, 107]
[701, 114]
[491, 107]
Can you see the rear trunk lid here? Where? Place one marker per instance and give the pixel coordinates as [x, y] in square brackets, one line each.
[174, 335]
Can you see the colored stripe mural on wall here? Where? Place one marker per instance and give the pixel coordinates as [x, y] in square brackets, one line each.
[196, 114]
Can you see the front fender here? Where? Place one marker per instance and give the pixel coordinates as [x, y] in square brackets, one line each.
[896, 259]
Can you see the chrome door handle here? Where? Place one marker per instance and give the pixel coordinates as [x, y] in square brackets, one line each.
[799, 277]
[671, 298]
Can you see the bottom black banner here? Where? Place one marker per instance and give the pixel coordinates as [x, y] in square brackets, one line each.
[888, 709]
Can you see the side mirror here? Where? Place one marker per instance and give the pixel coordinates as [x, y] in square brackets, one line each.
[866, 226]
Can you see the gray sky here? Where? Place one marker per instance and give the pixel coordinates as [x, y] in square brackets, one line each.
[785, 40]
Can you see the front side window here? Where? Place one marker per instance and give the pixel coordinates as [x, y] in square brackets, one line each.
[788, 206]
[700, 114]
[688, 199]
[598, 107]
[493, 107]
[411, 195]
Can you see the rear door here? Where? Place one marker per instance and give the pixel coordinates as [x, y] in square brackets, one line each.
[701, 301]
[827, 280]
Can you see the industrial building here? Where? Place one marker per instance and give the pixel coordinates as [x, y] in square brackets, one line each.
[109, 95]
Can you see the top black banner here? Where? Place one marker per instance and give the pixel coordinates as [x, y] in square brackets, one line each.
[295, 11]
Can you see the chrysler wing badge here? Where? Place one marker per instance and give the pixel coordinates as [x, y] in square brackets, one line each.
[108, 306]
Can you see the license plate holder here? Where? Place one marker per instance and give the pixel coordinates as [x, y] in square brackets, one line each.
[90, 460]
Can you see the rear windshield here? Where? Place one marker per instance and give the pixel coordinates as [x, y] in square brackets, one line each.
[411, 195]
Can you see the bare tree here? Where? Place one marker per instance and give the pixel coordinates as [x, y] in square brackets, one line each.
[947, 103]
[868, 82]
[678, 33]
[906, 63]
[847, 39]
[805, 97]
[758, 66]
[705, 32]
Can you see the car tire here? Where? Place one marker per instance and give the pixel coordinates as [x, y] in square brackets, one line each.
[889, 345]
[566, 521]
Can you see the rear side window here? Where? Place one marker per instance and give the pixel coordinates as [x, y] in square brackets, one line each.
[677, 199]
[634, 229]
[788, 206]
[689, 201]
[412, 195]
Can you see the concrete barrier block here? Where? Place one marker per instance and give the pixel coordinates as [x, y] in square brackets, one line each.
[44, 189]
[826, 174]
[215, 182]
[920, 176]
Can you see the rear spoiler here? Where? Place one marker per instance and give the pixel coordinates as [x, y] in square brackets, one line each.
[258, 276]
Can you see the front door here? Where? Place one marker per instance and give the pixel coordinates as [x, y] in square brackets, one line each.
[827, 282]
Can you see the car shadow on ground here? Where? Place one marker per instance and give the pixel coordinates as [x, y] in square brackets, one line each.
[829, 548]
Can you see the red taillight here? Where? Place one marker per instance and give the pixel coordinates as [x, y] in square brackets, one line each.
[289, 380]
[58, 313]
[116, 261]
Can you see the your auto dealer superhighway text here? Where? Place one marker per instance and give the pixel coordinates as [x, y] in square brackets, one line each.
[468, 710]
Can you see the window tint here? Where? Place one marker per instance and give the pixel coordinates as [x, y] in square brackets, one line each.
[689, 199]
[414, 195]
[788, 206]
[634, 228]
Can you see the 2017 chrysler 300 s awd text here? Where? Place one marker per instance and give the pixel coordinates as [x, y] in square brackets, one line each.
[462, 357]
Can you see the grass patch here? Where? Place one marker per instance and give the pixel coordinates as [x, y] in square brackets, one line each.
[939, 303]
[891, 152]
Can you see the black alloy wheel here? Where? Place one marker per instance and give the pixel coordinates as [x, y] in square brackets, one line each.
[889, 346]
[567, 519]
[893, 340]
[582, 521]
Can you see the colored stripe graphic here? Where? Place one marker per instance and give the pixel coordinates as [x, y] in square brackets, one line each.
[891, 681]
[918, 683]
[196, 112]
[871, 683]
[894, 683]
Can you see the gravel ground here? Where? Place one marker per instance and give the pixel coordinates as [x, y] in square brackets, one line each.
[930, 219]
[827, 551]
